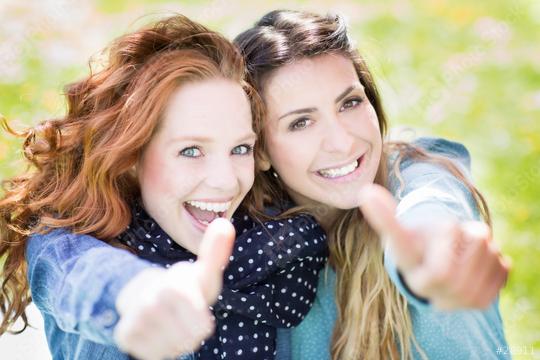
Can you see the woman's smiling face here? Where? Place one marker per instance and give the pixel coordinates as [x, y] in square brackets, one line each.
[322, 133]
[199, 165]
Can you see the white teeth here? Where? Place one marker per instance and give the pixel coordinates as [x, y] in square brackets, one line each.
[337, 172]
[209, 206]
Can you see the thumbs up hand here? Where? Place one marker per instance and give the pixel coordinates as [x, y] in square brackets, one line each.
[165, 312]
[453, 265]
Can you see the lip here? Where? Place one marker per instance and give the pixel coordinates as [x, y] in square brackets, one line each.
[342, 165]
[359, 170]
[196, 223]
[223, 200]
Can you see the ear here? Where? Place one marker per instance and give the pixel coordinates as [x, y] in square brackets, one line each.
[264, 162]
[135, 168]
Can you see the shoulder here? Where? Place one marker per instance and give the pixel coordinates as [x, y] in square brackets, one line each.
[428, 185]
[444, 147]
[40, 240]
[411, 163]
[61, 236]
[63, 243]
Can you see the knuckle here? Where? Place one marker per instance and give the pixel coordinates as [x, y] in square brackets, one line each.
[459, 289]
[478, 245]
[469, 301]
[481, 302]
[441, 276]
[166, 294]
[147, 313]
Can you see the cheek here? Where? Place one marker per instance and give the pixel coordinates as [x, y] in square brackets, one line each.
[377, 137]
[373, 120]
[246, 174]
[287, 157]
[366, 125]
[155, 175]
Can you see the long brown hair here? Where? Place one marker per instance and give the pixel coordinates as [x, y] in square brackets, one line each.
[373, 321]
[82, 176]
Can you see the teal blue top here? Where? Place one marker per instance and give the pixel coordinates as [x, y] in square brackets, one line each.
[441, 335]
[430, 193]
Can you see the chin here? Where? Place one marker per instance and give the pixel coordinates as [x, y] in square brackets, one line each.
[336, 203]
[192, 245]
[346, 206]
[345, 200]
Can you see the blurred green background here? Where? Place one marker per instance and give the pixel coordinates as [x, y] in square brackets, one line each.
[457, 69]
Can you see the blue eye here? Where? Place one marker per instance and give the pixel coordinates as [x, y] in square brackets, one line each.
[351, 103]
[192, 152]
[300, 123]
[243, 149]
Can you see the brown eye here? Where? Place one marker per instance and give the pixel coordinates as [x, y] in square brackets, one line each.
[300, 123]
[351, 103]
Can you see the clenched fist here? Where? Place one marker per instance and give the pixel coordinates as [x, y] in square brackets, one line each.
[453, 265]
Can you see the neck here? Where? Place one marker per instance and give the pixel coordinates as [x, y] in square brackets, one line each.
[325, 215]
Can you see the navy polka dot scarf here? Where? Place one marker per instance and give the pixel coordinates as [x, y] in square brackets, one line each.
[270, 281]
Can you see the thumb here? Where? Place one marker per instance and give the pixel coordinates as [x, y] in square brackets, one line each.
[379, 209]
[214, 253]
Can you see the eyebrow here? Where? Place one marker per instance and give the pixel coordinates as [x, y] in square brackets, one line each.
[250, 136]
[347, 92]
[299, 111]
[313, 109]
[205, 139]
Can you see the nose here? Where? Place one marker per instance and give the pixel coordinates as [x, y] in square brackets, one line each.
[337, 137]
[222, 175]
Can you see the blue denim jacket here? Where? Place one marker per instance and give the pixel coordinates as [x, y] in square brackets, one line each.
[75, 279]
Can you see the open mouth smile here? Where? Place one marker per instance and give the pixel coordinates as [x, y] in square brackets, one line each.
[204, 212]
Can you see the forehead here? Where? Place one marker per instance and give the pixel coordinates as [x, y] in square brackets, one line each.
[207, 106]
[306, 81]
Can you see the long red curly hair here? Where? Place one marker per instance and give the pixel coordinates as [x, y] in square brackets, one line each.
[81, 165]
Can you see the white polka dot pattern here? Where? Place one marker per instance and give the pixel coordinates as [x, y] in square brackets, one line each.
[270, 282]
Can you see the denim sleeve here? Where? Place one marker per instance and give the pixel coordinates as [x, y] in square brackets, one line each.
[76, 279]
[430, 193]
